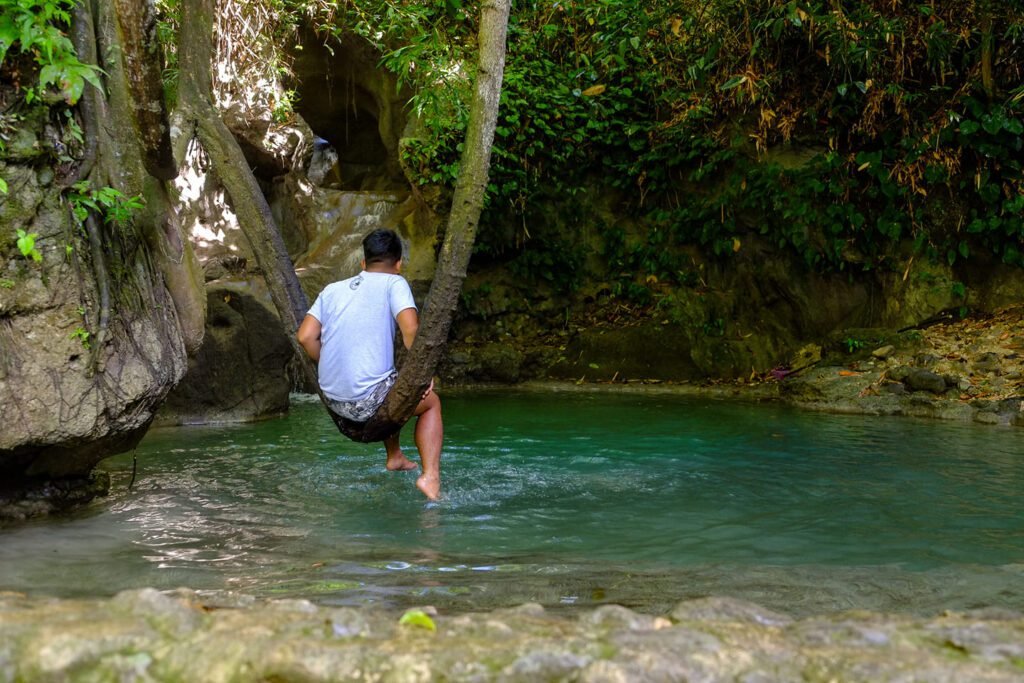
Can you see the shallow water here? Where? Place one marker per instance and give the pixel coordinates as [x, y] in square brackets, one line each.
[567, 499]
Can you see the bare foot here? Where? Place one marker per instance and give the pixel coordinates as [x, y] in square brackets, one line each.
[430, 486]
[400, 463]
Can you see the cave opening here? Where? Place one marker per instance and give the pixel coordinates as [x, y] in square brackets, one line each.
[354, 108]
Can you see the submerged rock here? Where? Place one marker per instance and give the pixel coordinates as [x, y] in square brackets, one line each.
[146, 635]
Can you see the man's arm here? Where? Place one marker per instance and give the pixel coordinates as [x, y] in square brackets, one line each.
[408, 323]
[309, 337]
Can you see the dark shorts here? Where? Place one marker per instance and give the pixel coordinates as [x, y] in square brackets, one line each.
[363, 409]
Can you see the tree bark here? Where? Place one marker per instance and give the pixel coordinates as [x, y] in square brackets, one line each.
[467, 203]
[130, 152]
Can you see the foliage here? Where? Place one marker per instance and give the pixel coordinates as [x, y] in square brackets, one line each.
[108, 202]
[691, 110]
[34, 27]
[853, 344]
[82, 335]
[27, 245]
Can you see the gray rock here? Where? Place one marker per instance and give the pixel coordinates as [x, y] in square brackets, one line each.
[543, 665]
[239, 373]
[894, 388]
[925, 380]
[884, 352]
[926, 360]
[616, 616]
[899, 373]
[987, 362]
[727, 609]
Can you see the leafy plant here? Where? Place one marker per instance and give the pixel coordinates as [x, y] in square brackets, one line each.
[34, 28]
[27, 245]
[853, 344]
[82, 335]
[284, 106]
[112, 204]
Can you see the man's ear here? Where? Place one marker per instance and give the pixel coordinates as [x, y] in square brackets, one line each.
[362, 264]
[398, 265]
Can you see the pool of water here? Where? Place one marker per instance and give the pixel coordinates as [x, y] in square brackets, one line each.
[568, 499]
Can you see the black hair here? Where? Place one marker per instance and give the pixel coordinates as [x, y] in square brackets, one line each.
[382, 246]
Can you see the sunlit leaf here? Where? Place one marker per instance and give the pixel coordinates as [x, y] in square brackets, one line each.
[419, 619]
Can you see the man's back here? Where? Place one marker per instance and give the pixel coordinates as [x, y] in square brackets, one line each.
[358, 336]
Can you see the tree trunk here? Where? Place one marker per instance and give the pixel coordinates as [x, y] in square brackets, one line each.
[460, 232]
[195, 57]
[134, 139]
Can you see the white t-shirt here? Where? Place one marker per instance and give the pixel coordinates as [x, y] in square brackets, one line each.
[357, 336]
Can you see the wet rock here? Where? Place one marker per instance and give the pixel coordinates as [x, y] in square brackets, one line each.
[149, 636]
[918, 379]
[167, 614]
[727, 609]
[36, 498]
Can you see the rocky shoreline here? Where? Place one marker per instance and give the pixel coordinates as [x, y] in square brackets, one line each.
[969, 371]
[146, 635]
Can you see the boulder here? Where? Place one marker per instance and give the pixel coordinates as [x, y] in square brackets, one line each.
[919, 379]
[239, 373]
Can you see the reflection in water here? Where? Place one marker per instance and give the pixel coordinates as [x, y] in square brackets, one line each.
[567, 500]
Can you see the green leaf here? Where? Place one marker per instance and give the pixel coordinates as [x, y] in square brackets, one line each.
[73, 89]
[3, 186]
[733, 82]
[418, 619]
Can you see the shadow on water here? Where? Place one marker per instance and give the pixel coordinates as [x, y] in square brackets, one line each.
[569, 500]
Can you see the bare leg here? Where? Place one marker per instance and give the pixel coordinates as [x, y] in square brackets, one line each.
[429, 437]
[397, 462]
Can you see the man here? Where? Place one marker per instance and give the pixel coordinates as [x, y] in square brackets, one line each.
[350, 331]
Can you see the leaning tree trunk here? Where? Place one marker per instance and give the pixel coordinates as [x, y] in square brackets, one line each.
[453, 260]
[195, 57]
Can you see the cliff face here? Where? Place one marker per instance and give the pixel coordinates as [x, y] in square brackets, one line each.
[67, 397]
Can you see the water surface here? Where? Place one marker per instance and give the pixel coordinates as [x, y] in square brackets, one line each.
[568, 499]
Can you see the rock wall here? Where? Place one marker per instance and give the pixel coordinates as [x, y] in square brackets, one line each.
[67, 398]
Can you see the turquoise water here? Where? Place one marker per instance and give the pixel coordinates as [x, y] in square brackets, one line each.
[568, 499]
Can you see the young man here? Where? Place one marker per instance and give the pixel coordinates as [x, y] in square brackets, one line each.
[350, 332]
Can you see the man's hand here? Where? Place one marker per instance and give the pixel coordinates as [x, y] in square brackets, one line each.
[427, 391]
